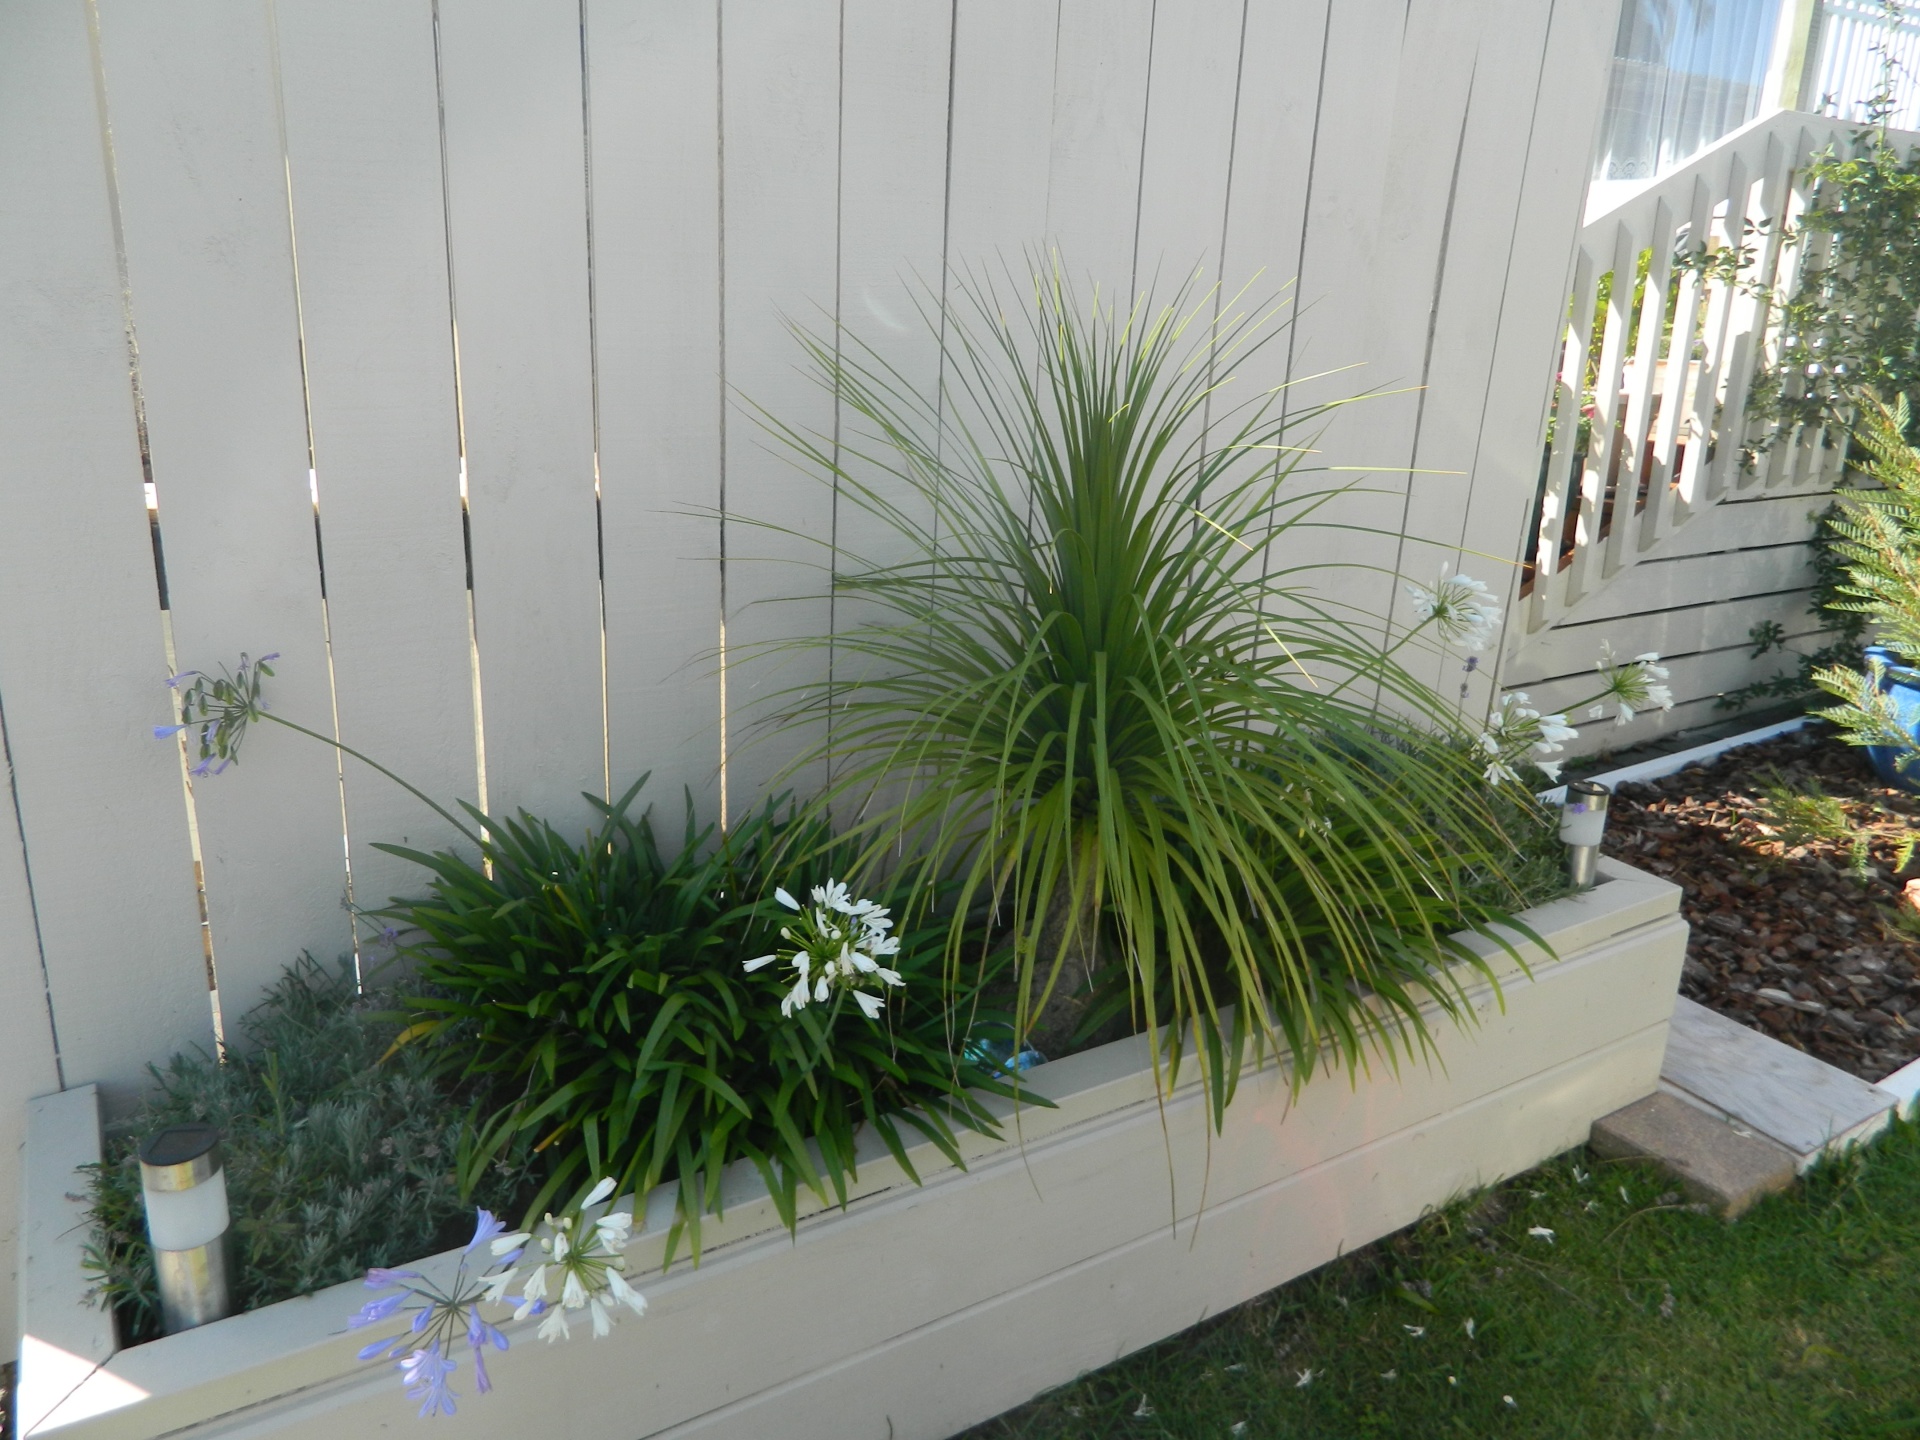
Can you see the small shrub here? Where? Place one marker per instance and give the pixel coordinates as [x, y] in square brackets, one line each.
[595, 994]
[335, 1161]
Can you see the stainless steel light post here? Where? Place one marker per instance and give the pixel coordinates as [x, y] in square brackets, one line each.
[1583, 821]
[184, 1184]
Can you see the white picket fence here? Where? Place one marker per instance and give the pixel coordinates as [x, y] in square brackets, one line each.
[449, 306]
[1652, 532]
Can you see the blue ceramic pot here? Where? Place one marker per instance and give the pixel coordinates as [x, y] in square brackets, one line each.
[1903, 684]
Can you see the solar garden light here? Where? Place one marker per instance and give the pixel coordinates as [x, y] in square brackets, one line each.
[184, 1185]
[1583, 820]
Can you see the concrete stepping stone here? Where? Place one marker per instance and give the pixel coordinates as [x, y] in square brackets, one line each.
[1802, 1104]
[1726, 1165]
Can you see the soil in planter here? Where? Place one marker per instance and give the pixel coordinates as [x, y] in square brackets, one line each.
[1810, 942]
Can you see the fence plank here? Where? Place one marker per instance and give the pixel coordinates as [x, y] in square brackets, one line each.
[1003, 68]
[896, 63]
[1188, 145]
[27, 1065]
[653, 95]
[1099, 117]
[517, 216]
[195, 115]
[1330, 352]
[363, 154]
[1466, 279]
[80, 663]
[781, 117]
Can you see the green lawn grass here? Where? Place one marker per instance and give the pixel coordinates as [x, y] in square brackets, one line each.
[1640, 1315]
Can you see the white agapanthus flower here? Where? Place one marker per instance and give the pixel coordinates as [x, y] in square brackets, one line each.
[837, 944]
[1461, 608]
[1516, 731]
[576, 1261]
[1637, 685]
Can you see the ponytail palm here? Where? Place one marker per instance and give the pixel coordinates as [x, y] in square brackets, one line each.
[1080, 680]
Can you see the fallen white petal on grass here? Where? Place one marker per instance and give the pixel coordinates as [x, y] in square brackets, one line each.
[1537, 1194]
[1145, 1412]
[1415, 1330]
[1469, 1329]
[1510, 1402]
[1542, 1231]
[1452, 1381]
[1389, 1374]
[1625, 1199]
[1581, 1175]
[1235, 1369]
[1239, 1427]
[1306, 1379]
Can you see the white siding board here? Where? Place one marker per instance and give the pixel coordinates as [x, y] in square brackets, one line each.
[653, 89]
[1665, 584]
[195, 116]
[363, 153]
[517, 218]
[1735, 525]
[1717, 625]
[781, 115]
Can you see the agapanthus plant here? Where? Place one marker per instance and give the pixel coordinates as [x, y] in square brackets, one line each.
[440, 1319]
[1461, 610]
[835, 948]
[1517, 733]
[581, 1260]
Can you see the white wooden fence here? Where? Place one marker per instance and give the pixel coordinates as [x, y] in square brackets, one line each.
[445, 306]
[1652, 532]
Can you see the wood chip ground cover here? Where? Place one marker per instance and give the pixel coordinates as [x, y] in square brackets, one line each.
[1796, 941]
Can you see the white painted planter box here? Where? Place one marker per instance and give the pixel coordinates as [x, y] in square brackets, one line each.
[919, 1310]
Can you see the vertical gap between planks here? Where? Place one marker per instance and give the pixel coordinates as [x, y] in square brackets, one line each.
[151, 494]
[593, 372]
[720, 192]
[460, 426]
[313, 485]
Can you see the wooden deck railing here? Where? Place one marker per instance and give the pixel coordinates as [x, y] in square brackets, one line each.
[1668, 324]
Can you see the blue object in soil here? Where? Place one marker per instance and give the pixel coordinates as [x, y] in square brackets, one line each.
[998, 1054]
[1902, 682]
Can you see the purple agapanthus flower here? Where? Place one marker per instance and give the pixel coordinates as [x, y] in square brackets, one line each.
[486, 1223]
[436, 1318]
[425, 1374]
[374, 1311]
[167, 732]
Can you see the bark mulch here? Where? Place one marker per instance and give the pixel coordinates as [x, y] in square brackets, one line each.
[1814, 943]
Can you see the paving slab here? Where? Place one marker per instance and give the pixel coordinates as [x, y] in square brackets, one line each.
[1724, 1164]
[1805, 1105]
